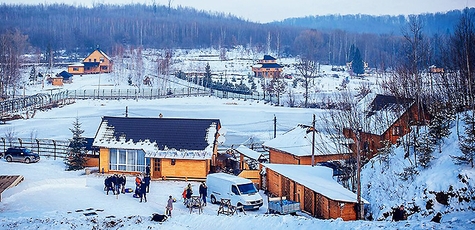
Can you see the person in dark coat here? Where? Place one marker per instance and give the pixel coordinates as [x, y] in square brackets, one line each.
[203, 192]
[143, 192]
[189, 191]
[399, 214]
[146, 180]
[108, 184]
[123, 182]
[115, 182]
[147, 170]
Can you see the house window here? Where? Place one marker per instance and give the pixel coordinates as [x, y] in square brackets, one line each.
[94, 60]
[129, 160]
[75, 69]
[397, 131]
[104, 67]
[101, 59]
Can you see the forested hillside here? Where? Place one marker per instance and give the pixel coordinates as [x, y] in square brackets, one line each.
[75, 27]
[434, 23]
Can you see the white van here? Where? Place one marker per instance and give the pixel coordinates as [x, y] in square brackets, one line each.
[240, 191]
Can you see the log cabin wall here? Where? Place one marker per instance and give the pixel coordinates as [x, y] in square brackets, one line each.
[277, 157]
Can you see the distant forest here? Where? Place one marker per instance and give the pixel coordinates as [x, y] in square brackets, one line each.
[434, 23]
[78, 29]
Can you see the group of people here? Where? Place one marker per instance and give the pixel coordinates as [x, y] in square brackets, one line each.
[142, 187]
[188, 192]
[115, 183]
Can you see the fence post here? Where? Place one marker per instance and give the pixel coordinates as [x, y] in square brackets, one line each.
[38, 145]
[4, 147]
[54, 151]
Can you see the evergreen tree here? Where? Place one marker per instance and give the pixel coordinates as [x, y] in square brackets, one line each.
[424, 148]
[357, 63]
[207, 80]
[439, 125]
[77, 153]
[33, 75]
[467, 142]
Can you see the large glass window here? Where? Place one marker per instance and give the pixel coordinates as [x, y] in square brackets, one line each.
[131, 160]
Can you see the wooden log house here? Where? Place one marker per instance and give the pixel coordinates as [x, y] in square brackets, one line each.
[319, 195]
[175, 148]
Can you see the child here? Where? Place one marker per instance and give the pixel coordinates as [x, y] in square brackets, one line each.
[169, 206]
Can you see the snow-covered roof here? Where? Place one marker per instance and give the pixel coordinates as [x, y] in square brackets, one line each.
[316, 178]
[382, 111]
[159, 137]
[298, 142]
[249, 152]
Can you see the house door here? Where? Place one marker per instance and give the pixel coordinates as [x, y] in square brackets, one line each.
[157, 167]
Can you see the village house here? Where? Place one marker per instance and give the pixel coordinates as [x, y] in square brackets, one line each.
[175, 148]
[314, 188]
[295, 147]
[96, 62]
[385, 118]
[267, 68]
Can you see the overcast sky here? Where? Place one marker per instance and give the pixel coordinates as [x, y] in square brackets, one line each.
[271, 10]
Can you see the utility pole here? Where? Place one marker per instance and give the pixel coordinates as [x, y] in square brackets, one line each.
[275, 126]
[313, 141]
[358, 175]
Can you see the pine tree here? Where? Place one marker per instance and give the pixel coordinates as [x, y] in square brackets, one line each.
[439, 125]
[424, 148]
[77, 153]
[467, 143]
[207, 80]
[357, 63]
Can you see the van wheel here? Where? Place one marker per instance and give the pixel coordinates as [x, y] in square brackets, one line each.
[9, 159]
[27, 160]
[213, 200]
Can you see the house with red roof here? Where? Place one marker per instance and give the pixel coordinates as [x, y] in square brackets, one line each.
[96, 62]
[267, 68]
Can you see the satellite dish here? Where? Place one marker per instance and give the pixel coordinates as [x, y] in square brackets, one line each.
[222, 131]
[221, 140]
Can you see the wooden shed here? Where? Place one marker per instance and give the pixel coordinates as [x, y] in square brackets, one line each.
[175, 148]
[249, 164]
[319, 195]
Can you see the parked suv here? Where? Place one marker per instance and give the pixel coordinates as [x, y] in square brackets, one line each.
[21, 154]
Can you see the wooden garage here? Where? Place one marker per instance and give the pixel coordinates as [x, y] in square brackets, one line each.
[175, 148]
[319, 195]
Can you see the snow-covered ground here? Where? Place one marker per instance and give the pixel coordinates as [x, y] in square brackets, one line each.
[51, 198]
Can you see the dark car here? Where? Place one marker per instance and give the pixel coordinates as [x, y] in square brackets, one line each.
[21, 154]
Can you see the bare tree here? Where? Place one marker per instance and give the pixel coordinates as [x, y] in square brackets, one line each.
[308, 69]
[12, 45]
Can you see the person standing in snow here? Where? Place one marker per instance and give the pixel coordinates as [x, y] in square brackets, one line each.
[203, 192]
[143, 192]
[169, 206]
[146, 180]
[187, 194]
[123, 182]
